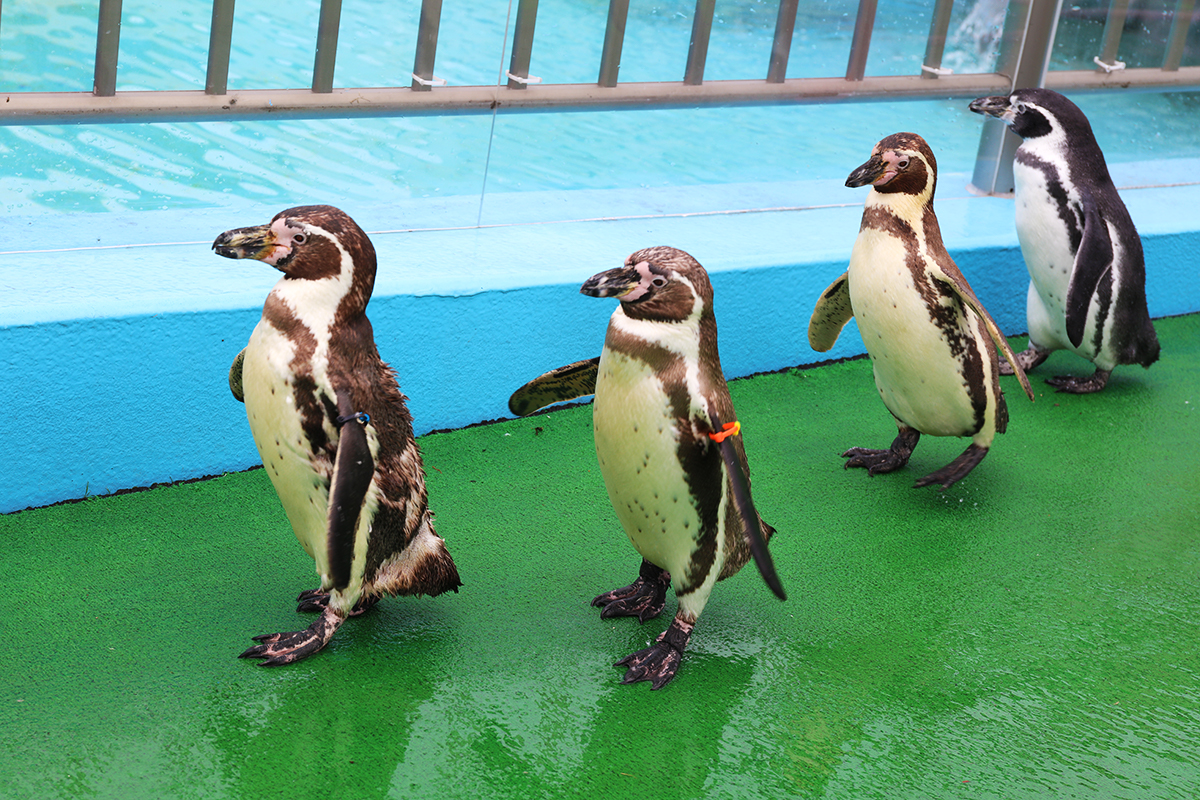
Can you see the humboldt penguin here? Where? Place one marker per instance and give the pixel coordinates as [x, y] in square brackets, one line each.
[332, 428]
[932, 344]
[1087, 288]
[668, 445]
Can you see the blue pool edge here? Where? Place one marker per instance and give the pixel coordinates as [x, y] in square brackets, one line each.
[118, 356]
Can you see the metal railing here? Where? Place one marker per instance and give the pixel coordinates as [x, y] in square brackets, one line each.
[1025, 49]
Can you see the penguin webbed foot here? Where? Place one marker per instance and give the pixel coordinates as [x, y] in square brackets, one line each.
[1028, 358]
[1071, 385]
[277, 649]
[878, 462]
[316, 601]
[659, 662]
[644, 598]
[956, 470]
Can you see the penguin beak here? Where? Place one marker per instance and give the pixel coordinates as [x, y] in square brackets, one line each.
[995, 106]
[870, 173]
[257, 242]
[612, 283]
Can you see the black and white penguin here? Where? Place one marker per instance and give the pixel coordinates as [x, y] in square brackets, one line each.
[332, 427]
[661, 407]
[1087, 288]
[929, 338]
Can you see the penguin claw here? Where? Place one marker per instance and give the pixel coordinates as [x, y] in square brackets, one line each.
[644, 599]
[659, 662]
[277, 649]
[876, 462]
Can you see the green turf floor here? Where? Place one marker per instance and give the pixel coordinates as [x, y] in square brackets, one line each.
[1033, 632]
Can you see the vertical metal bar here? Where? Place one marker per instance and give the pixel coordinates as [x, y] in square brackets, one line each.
[108, 44]
[327, 39]
[1114, 26]
[522, 48]
[935, 48]
[614, 40]
[860, 45]
[427, 39]
[1025, 50]
[220, 39]
[781, 48]
[1178, 36]
[693, 74]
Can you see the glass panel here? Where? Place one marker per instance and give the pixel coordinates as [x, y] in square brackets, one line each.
[472, 45]
[427, 171]
[821, 41]
[606, 164]
[656, 41]
[1146, 29]
[48, 46]
[973, 40]
[901, 32]
[1131, 127]
[159, 45]
[740, 45]
[376, 43]
[1191, 49]
[270, 50]
[568, 40]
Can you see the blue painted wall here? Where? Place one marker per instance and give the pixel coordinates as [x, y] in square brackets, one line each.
[117, 359]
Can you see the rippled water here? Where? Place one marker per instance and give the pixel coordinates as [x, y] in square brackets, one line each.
[48, 45]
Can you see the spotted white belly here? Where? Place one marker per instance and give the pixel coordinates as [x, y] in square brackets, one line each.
[1048, 257]
[919, 379]
[301, 481]
[636, 441]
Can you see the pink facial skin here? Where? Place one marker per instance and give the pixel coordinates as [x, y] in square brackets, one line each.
[895, 162]
[285, 236]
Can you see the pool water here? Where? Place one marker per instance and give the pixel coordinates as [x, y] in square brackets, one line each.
[48, 45]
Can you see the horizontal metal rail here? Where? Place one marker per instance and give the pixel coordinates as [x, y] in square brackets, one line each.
[42, 108]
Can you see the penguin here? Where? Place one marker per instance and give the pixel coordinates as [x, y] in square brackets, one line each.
[332, 428]
[931, 342]
[1087, 288]
[667, 441]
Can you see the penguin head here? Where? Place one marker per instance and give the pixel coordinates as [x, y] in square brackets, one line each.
[1033, 113]
[900, 163]
[308, 243]
[658, 283]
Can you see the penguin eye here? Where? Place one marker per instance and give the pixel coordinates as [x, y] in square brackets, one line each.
[299, 238]
[658, 281]
[1019, 107]
[902, 163]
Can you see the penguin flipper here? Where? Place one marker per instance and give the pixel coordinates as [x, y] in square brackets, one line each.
[953, 278]
[751, 522]
[235, 376]
[1092, 269]
[556, 386]
[353, 468]
[832, 312]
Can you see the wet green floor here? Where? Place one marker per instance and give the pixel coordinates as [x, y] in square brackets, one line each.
[1033, 632]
